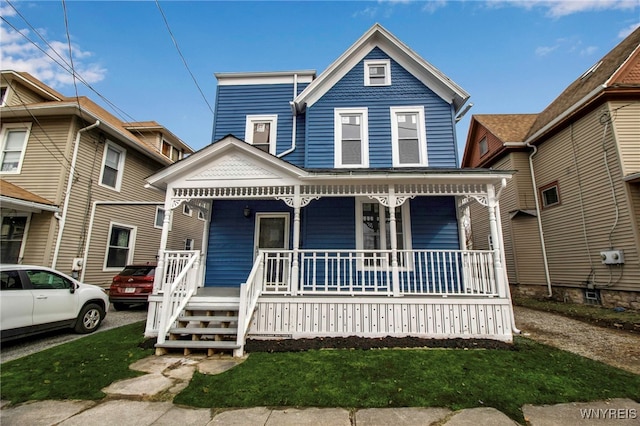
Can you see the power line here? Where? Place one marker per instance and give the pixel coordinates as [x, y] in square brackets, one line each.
[182, 56]
[73, 70]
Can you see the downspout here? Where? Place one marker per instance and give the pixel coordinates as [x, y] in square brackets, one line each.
[294, 119]
[63, 219]
[540, 231]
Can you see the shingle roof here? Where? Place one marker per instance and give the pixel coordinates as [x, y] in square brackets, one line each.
[507, 127]
[605, 73]
[10, 190]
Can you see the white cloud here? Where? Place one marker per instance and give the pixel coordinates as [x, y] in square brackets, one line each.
[432, 5]
[589, 50]
[545, 50]
[44, 61]
[628, 30]
[560, 8]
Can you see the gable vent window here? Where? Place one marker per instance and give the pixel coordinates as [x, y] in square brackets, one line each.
[550, 195]
[377, 73]
[484, 147]
[261, 131]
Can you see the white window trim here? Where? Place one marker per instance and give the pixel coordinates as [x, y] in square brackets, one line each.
[186, 207]
[422, 135]
[405, 210]
[123, 154]
[273, 130]
[155, 219]
[201, 215]
[186, 243]
[132, 245]
[3, 140]
[386, 63]
[337, 136]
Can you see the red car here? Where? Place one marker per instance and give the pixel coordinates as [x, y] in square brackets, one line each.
[132, 286]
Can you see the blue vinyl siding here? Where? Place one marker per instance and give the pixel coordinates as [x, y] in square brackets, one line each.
[234, 103]
[434, 224]
[231, 239]
[405, 89]
[329, 223]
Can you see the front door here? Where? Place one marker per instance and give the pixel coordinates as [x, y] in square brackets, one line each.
[272, 236]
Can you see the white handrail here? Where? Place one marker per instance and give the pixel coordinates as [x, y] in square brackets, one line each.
[177, 292]
[249, 293]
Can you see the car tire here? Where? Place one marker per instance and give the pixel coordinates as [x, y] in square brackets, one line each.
[119, 306]
[89, 319]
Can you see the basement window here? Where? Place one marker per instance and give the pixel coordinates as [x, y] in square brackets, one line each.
[550, 195]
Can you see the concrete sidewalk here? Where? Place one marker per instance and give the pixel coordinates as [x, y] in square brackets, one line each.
[146, 400]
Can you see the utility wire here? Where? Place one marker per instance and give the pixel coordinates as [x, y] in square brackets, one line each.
[182, 56]
[73, 70]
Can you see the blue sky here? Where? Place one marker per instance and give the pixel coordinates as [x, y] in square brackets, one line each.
[511, 56]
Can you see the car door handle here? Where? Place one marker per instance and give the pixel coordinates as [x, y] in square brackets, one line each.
[41, 297]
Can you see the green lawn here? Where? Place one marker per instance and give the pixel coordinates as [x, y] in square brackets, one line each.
[75, 370]
[529, 373]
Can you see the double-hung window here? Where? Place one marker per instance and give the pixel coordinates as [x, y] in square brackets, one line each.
[408, 137]
[112, 166]
[351, 135]
[377, 72]
[373, 231]
[261, 131]
[14, 138]
[119, 246]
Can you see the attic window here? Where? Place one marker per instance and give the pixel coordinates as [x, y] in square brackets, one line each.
[484, 147]
[261, 131]
[3, 95]
[171, 151]
[377, 73]
[590, 71]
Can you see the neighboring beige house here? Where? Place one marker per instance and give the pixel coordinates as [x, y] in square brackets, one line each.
[72, 188]
[571, 213]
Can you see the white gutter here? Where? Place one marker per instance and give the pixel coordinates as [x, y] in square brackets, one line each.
[93, 213]
[30, 205]
[566, 113]
[63, 219]
[294, 116]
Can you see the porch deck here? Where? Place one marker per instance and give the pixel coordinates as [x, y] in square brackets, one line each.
[445, 294]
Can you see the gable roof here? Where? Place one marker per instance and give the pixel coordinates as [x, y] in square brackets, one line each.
[508, 128]
[57, 104]
[618, 68]
[377, 36]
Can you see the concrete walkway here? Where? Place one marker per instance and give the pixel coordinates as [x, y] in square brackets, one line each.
[146, 400]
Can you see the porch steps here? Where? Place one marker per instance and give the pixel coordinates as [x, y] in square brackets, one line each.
[208, 324]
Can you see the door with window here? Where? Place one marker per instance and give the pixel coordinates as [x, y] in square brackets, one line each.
[12, 233]
[272, 236]
[54, 297]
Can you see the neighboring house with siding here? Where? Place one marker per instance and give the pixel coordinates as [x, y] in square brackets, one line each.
[335, 211]
[576, 194]
[72, 179]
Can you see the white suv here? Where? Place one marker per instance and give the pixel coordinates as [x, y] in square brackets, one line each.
[35, 299]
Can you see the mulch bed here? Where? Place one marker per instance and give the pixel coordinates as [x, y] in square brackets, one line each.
[353, 342]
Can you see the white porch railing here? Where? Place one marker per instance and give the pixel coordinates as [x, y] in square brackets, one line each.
[366, 272]
[249, 293]
[179, 282]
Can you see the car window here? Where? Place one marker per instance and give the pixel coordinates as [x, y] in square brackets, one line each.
[10, 280]
[137, 271]
[47, 280]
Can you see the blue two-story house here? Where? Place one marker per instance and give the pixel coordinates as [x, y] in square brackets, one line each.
[335, 208]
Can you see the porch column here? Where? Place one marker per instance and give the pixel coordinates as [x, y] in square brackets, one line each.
[164, 236]
[393, 236]
[496, 239]
[295, 264]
